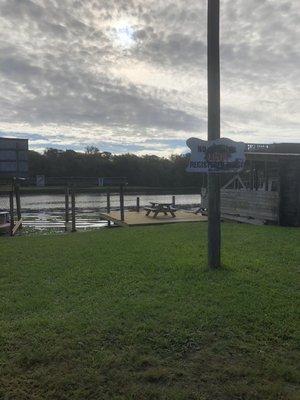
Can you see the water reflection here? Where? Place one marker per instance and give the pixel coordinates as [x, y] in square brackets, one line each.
[46, 211]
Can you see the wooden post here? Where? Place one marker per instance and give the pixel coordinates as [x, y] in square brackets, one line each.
[67, 208]
[256, 183]
[138, 204]
[266, 176]
[108, 201]
[108, 205]
[252, 175]
[11, 212]
[18, 201]
[73, 210]
[213, 71]
[173, 201]
[281, 188]
[122, 202]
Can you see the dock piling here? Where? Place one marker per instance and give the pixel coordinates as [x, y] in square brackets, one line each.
[122, 202]
[73, 210]
[18, 201]
[11, 213]
[108, 205]
[67, 208]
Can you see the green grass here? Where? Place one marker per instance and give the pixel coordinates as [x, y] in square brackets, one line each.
[134, 314]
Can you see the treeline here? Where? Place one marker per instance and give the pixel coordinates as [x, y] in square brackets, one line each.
[147, 170]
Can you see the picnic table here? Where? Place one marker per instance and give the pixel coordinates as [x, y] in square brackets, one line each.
[157, 208]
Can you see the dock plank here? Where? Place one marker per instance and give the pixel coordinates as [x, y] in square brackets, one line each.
[133, 218]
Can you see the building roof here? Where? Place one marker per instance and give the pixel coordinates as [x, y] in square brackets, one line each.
[265, 156]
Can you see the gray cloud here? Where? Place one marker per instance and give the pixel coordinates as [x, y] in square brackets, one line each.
[138, 67]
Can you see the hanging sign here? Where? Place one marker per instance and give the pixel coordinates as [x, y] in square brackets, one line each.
[217, 156]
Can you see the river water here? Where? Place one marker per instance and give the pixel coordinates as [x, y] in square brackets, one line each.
[46, 211]
[92, 201]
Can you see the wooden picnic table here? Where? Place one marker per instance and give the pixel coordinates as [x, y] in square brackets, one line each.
[157, 208]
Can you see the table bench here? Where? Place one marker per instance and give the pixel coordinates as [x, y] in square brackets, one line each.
[156, 208]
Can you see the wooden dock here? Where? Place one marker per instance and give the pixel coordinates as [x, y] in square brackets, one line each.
[134, 218]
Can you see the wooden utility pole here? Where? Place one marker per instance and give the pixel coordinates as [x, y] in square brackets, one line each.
[213, 70]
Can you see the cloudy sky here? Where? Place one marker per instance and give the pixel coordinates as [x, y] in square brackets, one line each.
[130, 75]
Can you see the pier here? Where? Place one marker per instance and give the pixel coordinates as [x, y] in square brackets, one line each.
[134, 218]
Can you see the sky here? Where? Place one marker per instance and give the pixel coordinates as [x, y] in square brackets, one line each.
[130, 75]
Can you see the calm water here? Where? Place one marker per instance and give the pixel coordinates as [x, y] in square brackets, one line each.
[46, 211]
[98, 201]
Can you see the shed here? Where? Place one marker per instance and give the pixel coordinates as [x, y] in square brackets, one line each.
[279, 173]
[268, 189]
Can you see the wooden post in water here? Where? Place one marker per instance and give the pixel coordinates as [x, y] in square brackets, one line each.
[108, 205]
[138, 204]
[18, 201]
[11, 212]
[213, 71]
[67, 208]
[122, 202]
[73, 210]
[173, 201]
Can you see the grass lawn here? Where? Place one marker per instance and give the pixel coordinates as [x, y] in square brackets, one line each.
[134, 314]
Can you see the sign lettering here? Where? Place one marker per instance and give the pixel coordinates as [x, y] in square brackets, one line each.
[217, 156]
